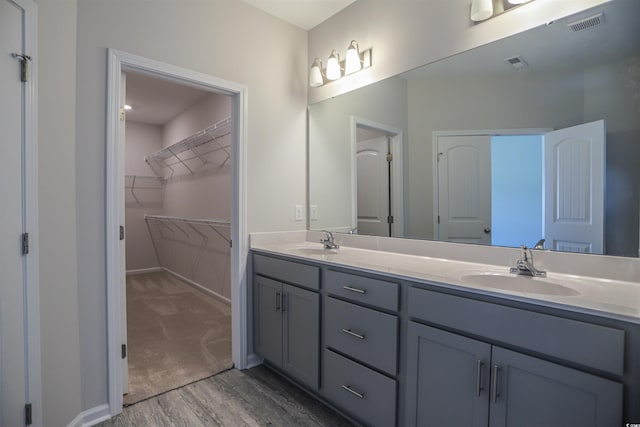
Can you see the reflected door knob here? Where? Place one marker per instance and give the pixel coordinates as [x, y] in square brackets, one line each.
[487, 230]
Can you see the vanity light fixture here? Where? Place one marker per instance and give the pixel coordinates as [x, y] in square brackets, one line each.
[333, 66]
[315, 75]
[481, 10]
[354, 62]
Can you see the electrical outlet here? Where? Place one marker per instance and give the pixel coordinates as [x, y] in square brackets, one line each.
[314, 212]
[299, 213]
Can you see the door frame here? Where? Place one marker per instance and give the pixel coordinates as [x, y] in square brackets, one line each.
[33, 366]
[434, 158]
[397, 172]
[118, 62]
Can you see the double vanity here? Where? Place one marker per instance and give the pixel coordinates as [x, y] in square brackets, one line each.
[391, 338]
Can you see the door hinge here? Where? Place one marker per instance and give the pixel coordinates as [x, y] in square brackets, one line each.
[25, 243]
[122, 232]
[389, 157]
[24, 59]
[124, 351]
[390, 219]
[28, 414]
[123, 114]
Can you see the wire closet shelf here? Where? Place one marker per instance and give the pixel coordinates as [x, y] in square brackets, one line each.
[205, 147]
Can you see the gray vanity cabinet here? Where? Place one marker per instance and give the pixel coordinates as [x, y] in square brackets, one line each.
[287, 326]
[466, 382]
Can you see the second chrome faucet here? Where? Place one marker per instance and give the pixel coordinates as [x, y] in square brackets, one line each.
[524, 266]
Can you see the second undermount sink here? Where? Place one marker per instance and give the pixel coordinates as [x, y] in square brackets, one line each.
[508, 282]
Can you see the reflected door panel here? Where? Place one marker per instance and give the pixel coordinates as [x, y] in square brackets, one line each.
[373, 187]
[574, 188]
[464, 189]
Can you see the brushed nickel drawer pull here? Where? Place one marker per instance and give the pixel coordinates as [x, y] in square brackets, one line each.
[353, 334]
[352, 391]
[356, 290]
[494, 381]
[479, 386]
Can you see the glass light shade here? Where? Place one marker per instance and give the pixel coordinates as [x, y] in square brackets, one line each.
[315, 75]
[333, 66]
[518, 1]
[352, 60]
[481, 10]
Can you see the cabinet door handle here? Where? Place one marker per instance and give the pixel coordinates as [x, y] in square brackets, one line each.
[283, 302]
[479, 386]
[494, 383]
[353, 334]
[278, 301]
[352, 391]
[356, 290]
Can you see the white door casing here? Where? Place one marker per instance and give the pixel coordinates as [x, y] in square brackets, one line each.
[19, 296]
[118, 62]
[574, 183]
[464, 188]
[373, 186]
[123, 256]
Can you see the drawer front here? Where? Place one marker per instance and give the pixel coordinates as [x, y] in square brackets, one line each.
[295, 273]
[359, 391]
[595, 346]
[364, 334]
[378, 293]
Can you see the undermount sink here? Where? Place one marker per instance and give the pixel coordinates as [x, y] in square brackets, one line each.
[532, 285]
[317, 250]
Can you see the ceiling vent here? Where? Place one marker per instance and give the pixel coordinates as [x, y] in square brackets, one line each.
[586, 23]
[517, 62]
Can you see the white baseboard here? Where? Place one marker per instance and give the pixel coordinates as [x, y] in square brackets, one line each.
[144, 270]
[91, 417]
[254, 360]
[199, 286]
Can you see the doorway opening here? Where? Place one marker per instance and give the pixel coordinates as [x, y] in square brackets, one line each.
[178, 235]
[170, 176]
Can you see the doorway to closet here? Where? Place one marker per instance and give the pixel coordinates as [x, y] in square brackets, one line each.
[178, 205]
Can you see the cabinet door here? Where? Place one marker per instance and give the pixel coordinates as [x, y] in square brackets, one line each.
[301, 334]
[532, 392]
[447, 379]
[267, 300]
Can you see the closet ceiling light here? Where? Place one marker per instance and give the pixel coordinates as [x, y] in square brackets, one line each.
[127, 107]
[354, 62]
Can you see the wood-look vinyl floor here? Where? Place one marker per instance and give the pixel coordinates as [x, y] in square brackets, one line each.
[254, 397]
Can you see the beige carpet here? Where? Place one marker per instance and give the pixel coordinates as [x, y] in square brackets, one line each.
[177, 334]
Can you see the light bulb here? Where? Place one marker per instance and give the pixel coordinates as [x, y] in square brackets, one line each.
[352, 60]
[315, 76]
[481, 10]
[333, 66]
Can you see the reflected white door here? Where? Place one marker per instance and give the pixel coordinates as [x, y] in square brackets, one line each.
[574, 188]
[464, 189]
[373, 187]
[13, 368]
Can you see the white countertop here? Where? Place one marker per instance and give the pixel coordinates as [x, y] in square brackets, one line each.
[609, 298]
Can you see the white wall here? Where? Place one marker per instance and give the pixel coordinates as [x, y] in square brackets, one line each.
[141, 139]
[406, 34]
[224, 38]
[56, 69]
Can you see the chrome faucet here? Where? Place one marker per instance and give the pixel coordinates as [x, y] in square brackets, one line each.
[539, 245]
[525, 267]
[328, 241]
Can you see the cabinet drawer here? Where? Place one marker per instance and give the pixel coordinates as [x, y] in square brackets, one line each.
[595, 346]
[366, 394]
[298, 274]
[361, 289]
[364, 334]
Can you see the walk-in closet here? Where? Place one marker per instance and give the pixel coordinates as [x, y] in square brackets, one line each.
[178, 193]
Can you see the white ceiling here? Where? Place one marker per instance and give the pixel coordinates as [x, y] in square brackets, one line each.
[305, 14]
[155, 101]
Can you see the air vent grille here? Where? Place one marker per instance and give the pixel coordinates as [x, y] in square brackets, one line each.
[586, 23]
[516, 62]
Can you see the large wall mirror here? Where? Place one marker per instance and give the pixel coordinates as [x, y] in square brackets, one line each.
[536, 136]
